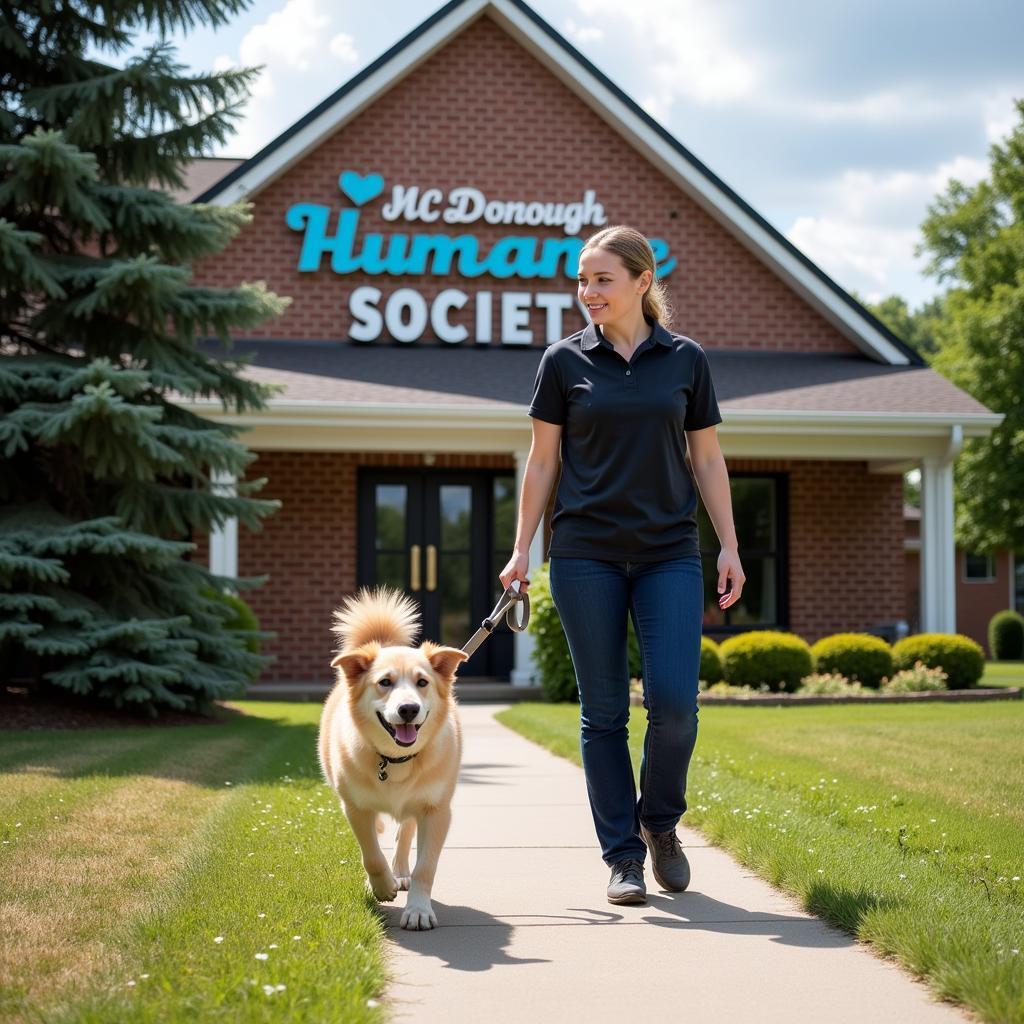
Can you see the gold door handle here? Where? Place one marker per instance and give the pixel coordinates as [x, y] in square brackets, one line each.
[431, 567]
[414, 567]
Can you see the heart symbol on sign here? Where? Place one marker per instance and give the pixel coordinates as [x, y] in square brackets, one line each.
[359, 189]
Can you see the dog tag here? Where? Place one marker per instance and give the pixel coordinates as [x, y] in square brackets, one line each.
[382, 770]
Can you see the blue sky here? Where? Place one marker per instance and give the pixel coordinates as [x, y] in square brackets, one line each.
[837, 122]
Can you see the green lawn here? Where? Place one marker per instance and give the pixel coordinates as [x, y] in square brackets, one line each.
[902, 824]
[185, 874]
[1003, 673]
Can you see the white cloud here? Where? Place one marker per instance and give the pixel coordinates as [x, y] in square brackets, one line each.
[1000, 113]
[290, 43]
[290, 37]
[343, 46]
[687, 47]
[868, 224]
[582, 34]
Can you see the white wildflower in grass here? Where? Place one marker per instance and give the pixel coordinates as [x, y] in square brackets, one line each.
[296, 938]
[262, 956]
[1016, 878]
[373, 1002]
[902, 875]
[227, 783]
[273, 945]
[143, 975]
[219, 938]
[130, 984]
[261, 915]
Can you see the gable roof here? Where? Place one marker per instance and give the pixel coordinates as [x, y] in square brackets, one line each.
[620, 112]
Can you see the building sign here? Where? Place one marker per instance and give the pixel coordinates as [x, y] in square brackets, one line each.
[405, 314]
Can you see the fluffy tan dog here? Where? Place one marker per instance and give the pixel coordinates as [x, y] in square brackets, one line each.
[390, 741]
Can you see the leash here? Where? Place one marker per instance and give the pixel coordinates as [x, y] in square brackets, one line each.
[507, 604]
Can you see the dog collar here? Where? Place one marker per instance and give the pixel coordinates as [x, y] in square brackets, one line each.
[382, 768]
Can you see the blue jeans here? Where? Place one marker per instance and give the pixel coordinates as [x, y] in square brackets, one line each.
[666, 602]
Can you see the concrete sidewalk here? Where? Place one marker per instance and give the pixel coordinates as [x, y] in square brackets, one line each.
[525, 932]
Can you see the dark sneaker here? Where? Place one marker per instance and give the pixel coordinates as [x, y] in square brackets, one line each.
[668, 862]
[627, 882]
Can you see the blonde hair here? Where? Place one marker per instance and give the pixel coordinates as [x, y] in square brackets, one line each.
[632, 247]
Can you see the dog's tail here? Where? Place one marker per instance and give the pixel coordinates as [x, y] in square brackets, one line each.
[383, 614]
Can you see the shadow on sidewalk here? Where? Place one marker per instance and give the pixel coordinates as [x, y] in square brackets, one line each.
[472, 940]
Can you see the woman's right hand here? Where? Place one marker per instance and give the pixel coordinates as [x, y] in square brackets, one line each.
[516, 569]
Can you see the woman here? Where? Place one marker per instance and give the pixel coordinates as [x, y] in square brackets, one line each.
[614, 401]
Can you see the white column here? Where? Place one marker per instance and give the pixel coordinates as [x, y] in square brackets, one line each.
[524, 670]
[938, 550]
[224, 539]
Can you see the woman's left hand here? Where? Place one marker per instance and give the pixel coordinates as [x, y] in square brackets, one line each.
[729, 565]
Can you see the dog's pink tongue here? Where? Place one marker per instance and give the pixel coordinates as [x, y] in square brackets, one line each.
[405, 733]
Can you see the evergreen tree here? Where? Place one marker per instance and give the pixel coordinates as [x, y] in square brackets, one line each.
[104, 475]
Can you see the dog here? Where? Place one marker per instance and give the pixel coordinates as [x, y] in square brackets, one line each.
[390, 741]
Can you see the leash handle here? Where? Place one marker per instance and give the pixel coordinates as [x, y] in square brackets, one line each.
[522, 601]
[507, 604]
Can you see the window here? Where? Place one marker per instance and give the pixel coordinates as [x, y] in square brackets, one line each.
[759, 514]
[1018, 582]
[978, 568]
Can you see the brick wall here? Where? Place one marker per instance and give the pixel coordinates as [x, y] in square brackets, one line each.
[308, 548]
[483, 112]
[846, 559]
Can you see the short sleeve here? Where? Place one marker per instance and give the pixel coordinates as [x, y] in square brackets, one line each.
[548, 398]
[702, 405]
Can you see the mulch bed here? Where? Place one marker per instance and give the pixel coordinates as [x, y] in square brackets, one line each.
[979, 693]
[22, 709]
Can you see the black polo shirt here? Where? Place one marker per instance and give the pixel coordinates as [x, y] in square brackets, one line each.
[625, 492]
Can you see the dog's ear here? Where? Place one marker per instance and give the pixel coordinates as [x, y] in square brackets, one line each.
[356, 662]
[443, 660]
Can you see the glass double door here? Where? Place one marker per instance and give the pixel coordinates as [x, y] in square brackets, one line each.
[442, 536]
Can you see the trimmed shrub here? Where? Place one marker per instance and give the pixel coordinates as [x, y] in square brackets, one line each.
[858, 656]
[766, 656]
[920, 677]
[710, 661]
[1006, 636]
[960, 657]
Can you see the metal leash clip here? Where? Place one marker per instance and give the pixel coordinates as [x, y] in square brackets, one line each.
[507, 604]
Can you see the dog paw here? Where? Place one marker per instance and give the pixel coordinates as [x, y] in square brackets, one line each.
[402, 880]
[385, 887]
[419, 916]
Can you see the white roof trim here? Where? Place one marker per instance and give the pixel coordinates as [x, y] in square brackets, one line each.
[410, 415]
[610, 107]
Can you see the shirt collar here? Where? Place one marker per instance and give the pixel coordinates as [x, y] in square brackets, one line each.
[592, 338]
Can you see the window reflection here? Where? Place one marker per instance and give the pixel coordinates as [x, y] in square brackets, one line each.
[755, 514]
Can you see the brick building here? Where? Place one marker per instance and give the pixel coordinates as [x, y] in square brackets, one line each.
[426, 219]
